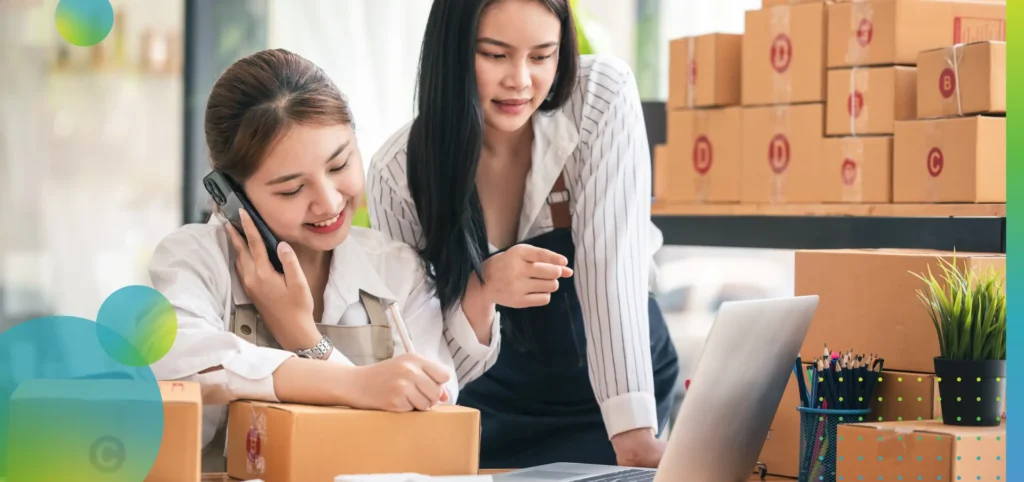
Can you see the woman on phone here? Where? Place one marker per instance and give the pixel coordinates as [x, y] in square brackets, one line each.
[524, 182]
[319, 331]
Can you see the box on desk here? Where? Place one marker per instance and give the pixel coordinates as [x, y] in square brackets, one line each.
[962, 80]
[869, 100]
[180, 459]
[868, 301]
[704, 71]
[856, 169]
[782, 154]
[887, 32]
[296, 443]
[904, 396]
[96, 426]
[926, 450]
[955, 159]
[784, 55]
[704, 155]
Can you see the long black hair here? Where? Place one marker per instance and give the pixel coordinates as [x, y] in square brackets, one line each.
[446, 138]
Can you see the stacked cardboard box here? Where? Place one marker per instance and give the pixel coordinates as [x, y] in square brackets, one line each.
[868, 304]
[872, 87]
[702, 157]
[783, 94]
[956, 149]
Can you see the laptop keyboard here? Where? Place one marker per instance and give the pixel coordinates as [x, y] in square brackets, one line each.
[627, 475]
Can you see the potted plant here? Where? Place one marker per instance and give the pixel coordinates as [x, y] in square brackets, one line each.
[969, 313]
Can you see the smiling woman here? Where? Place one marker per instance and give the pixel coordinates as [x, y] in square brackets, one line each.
[318, 333]
[524, 182]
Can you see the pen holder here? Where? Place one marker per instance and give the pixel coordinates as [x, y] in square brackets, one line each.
[818, 441]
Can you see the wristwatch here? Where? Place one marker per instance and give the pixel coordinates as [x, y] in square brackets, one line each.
[319, 351]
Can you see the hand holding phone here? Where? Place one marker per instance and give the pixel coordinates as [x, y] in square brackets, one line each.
[230, 196]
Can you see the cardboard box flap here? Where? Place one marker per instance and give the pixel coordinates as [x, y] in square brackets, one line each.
[935, 427]
[181, 392]
[339, 410]
[994, 43]
[930, 253]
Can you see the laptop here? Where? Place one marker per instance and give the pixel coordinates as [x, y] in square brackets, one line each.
[724, 420]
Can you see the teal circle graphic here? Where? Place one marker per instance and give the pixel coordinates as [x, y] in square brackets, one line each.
[68, 411]
[136, 325]
[84, 22]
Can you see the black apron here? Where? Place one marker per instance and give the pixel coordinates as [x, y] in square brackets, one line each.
[537, 404]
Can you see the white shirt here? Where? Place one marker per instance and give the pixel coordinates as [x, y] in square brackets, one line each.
[599, 139]
[194, 269]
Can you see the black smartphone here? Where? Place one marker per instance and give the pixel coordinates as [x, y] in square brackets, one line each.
[230, 196]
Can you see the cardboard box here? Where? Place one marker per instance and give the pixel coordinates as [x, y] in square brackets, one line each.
[781, 451]
[857, 170]
[905, 396]
[704, 71]
[705, 152]
[662, 172]
[884, 32]
[180, 456]
[960, 159]
[784, 55]
[776, 3]
[900, 394]
[297, 443]
[99, 426]
[782, 154]
[868, 301]
[962, 80]
[927, 450]
[864, 101]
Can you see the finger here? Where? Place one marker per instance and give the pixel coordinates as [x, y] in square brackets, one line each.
[535, 254]
[417, 396]
[294, 279]
[243, 260]
[236, 240]
[435, 371]
[541, 286]
[536, 299]
[444, 395]
[566, 272]
[252, 235]
[546, 271]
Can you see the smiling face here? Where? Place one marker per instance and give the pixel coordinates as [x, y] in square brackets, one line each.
[309, 185]
[516, 61]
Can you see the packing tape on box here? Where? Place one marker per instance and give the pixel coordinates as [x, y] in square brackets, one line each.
[703, 155]
[851, 170]
[953, 61]
[779, 153]
[935, 160]
[861, 30]
[691, 72]
[782, 85]
[855, 102]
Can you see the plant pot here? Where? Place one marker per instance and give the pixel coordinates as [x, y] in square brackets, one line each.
[972, 392]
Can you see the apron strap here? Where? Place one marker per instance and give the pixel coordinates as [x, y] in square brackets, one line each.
[374, 309]
[559, 202]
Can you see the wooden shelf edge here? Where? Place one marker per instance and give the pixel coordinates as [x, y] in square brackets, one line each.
[662, 208]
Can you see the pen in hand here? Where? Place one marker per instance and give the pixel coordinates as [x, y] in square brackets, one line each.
[403, 333]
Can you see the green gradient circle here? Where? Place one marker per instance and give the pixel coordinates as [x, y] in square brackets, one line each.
[68, 412]
[84, 22]
[143, 321]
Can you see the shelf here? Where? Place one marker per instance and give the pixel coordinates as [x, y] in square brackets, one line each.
[964, 227]
[821, 210]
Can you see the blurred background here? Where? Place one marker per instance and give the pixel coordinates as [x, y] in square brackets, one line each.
[101, 148]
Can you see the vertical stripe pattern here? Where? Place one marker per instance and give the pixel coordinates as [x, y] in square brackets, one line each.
[606, 176]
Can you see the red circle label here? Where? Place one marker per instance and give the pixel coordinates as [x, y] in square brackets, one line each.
[252, 444]
[702, 155]
[936, 161]
[849, 171]
[778, 153]
[781, 53]
[855, 103]
[865, 31]
[693, 72]
[947, 82]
